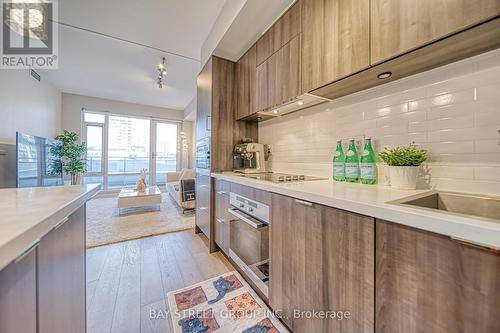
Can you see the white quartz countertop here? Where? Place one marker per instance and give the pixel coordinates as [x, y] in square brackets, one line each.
[375, 201]
[27, 214]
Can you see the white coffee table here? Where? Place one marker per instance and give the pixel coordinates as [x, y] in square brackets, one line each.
[132, 198]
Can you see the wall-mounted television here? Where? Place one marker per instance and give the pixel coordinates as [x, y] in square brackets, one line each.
[38, 161]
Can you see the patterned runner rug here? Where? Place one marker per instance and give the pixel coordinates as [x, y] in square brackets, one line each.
[225, 303]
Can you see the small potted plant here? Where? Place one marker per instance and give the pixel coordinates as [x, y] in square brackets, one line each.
[404, 165]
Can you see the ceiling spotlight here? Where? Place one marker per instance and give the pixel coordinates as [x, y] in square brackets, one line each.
[275, 111]
[162, 71]
[300, 102]
[384, 75]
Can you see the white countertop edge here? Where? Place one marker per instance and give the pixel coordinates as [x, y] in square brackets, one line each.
[15, 246]
[477, 231]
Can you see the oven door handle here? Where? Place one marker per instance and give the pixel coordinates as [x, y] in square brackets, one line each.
[253, 222]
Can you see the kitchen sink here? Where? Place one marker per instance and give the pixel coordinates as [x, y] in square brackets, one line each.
[457, 203]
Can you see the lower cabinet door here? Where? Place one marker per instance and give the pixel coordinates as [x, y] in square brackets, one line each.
[61, 277]
[203, 203]
[221, 216]
[429, 283]
[321, 267]
[18, 295]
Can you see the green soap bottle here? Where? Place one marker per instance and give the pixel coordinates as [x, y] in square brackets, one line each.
[339, 163]
[352, 163]
[368, 166]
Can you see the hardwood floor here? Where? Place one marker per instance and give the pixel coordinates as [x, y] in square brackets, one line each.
[126, 281]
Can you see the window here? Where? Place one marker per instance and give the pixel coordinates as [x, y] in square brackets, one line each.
[119, 147]
[166, 150]
[128, 149]
[93, 117]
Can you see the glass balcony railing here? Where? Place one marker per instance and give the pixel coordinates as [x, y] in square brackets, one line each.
[124, 171]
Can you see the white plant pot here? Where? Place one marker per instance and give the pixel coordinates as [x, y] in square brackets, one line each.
[383, 176]
[404, 177]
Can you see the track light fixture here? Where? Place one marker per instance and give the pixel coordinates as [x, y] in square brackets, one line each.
[162, 71]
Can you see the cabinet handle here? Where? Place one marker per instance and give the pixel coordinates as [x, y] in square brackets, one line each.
[64, 220]
[478, 246]
[27, 251]
[221, 221]
[305, 203]
[221, 192]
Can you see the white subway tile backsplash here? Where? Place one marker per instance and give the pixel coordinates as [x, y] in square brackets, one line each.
[488, 93]
[487, 173]
[386, 111]
[451, 171]
[448, 111]
[451, 123]
[487, 146]
[453, 111]
[487, 118]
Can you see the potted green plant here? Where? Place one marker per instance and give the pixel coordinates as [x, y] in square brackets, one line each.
[72, 156]
[404, 165]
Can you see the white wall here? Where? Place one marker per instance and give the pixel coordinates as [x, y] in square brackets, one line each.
[453, 111]
[72, 106]
[27, 105]
[223, 22]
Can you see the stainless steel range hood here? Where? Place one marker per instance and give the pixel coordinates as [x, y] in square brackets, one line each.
[298, 103]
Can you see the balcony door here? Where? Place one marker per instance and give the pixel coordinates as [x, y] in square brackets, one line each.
[165, 150]
[94, 134]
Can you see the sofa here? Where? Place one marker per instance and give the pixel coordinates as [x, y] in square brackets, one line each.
[180, 186]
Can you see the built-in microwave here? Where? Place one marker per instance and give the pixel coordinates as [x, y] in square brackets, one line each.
[203, 153]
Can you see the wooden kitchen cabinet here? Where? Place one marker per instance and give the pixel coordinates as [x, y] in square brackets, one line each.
[261, 91]
[61, 277]
[246, 84]
[221, 225]
[204, 102]
[428, 283]
[399, 26]
[18, 308]
[335, 40]
[321, 259]
[280, 33]
[278, 78]
[203, 206]
[287, 85]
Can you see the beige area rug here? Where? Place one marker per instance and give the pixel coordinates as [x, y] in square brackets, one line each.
[106, 226]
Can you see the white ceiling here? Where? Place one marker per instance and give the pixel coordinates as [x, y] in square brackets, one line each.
[254, 18]
[95, 65]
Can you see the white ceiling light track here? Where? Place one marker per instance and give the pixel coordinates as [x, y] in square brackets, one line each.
[162, 72]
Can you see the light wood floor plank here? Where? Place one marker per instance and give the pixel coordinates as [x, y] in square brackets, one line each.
[132, 278]
[127, 312]
[96, 257]
[101, 311]
[170, 272]
[151, 283]
[151, 324]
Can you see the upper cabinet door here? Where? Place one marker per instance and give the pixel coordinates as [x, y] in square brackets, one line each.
[283, 31]
[204, 101]
[287, 85]
[398, 26]
[335, 40]
[245, 78]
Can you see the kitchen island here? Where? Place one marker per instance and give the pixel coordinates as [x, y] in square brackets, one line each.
[42, 259]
